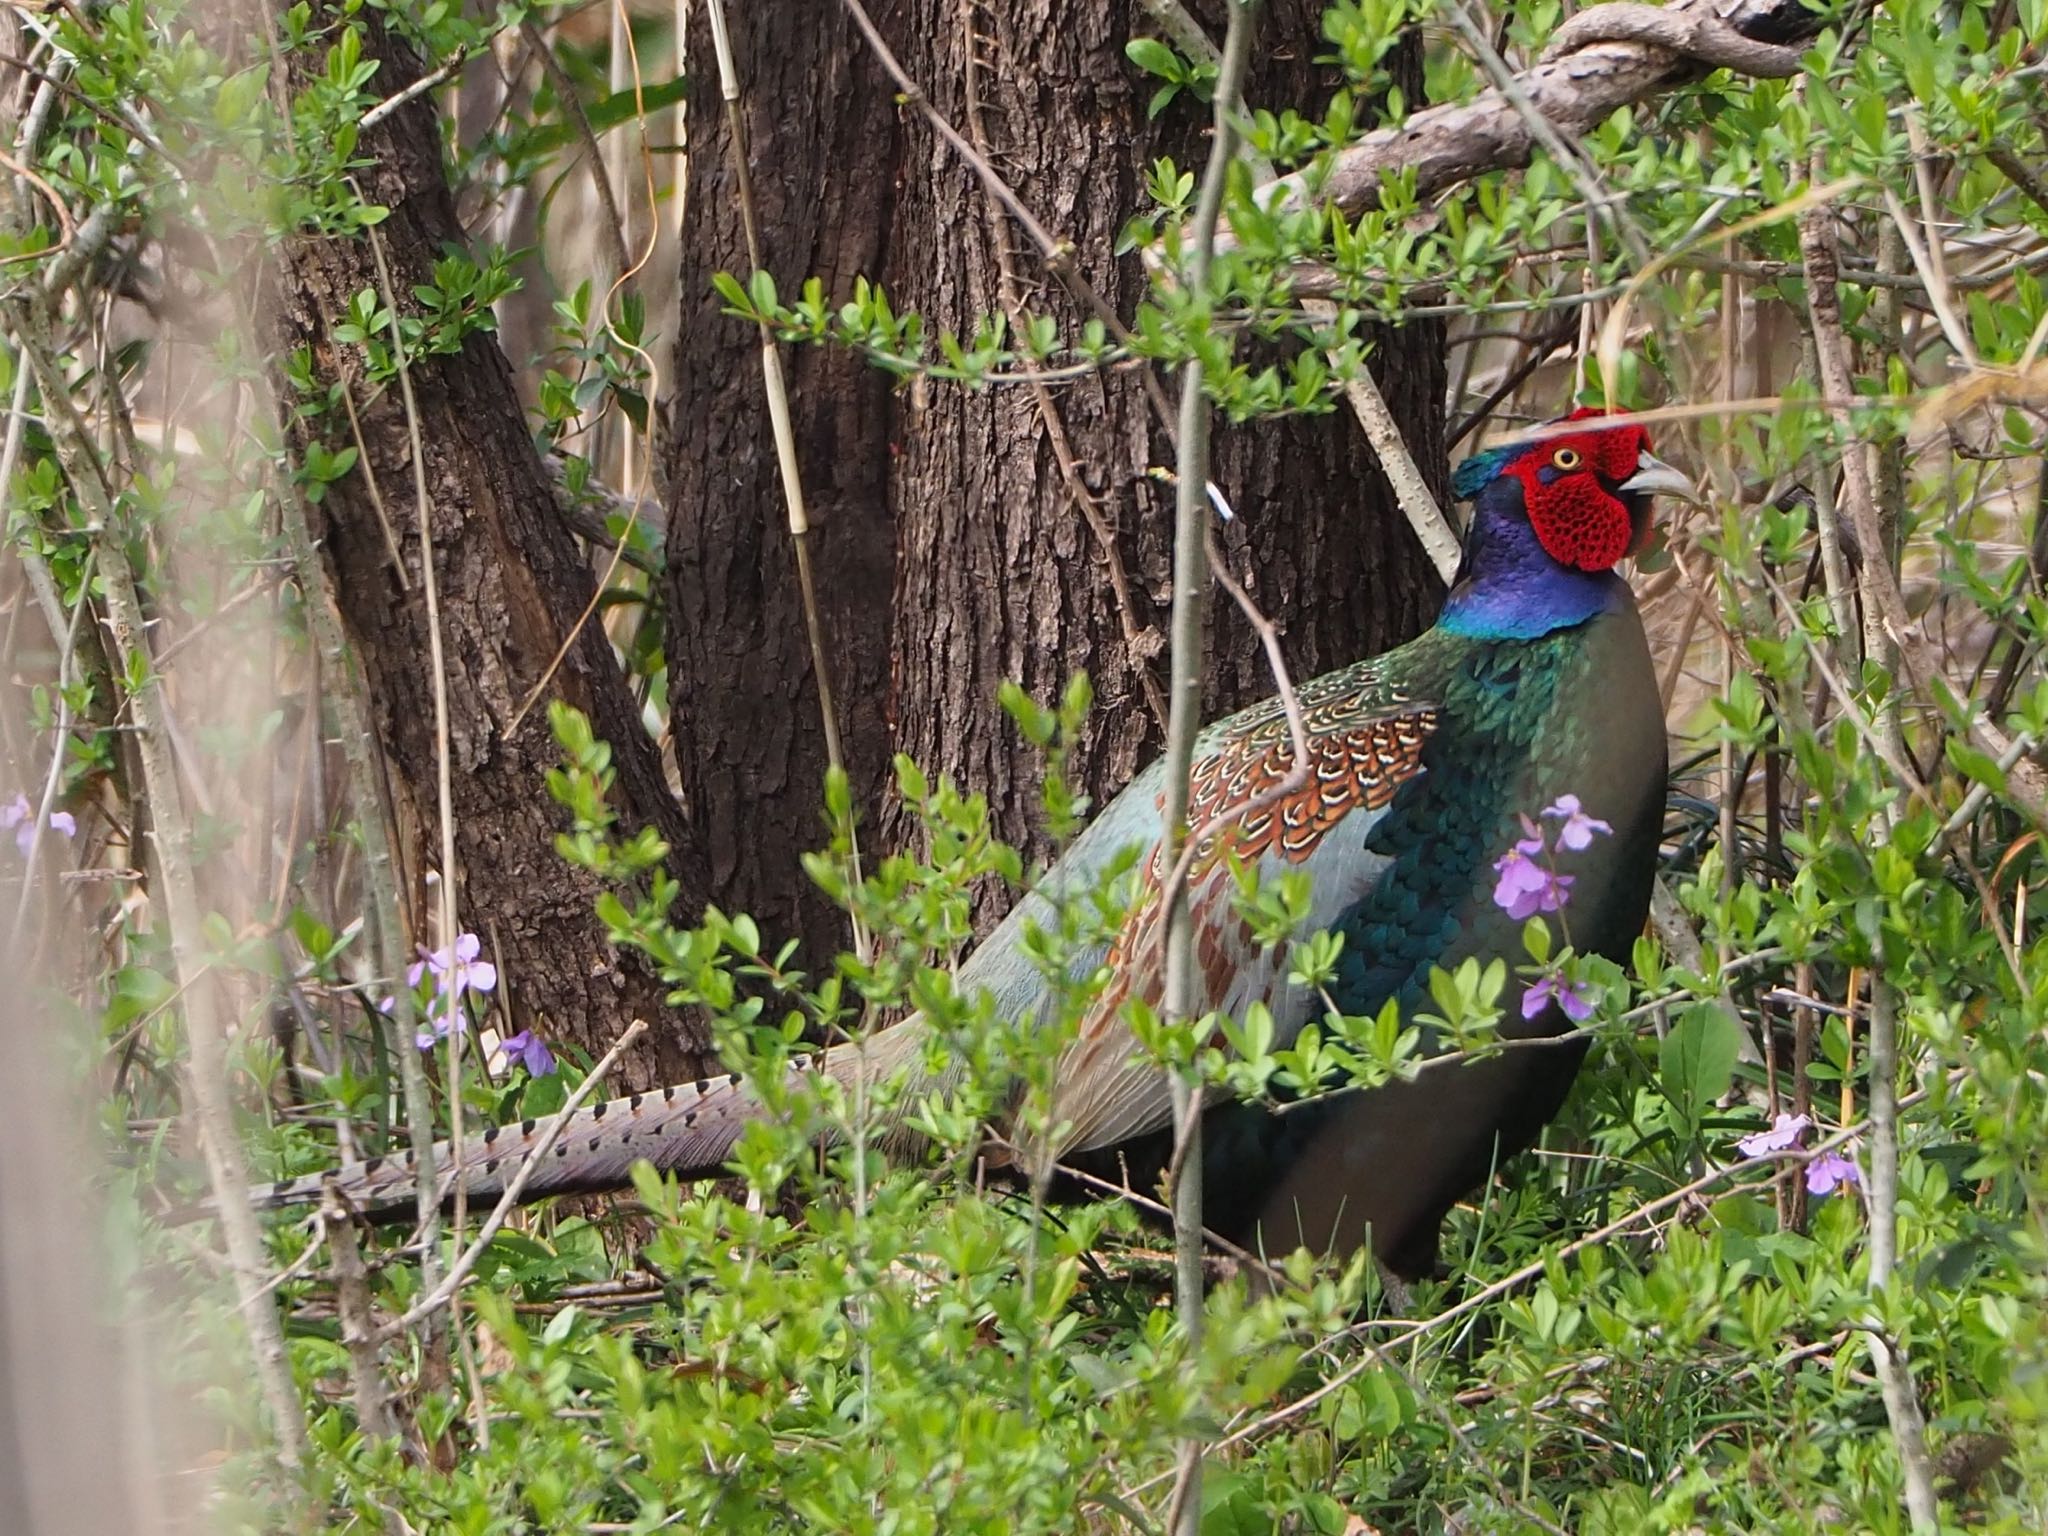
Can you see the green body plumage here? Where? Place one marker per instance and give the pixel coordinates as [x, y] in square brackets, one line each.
[1521, 723]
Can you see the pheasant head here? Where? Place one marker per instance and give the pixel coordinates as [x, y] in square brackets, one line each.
[1551, 518]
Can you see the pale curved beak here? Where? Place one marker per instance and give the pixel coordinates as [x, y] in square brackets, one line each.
[1653, 477]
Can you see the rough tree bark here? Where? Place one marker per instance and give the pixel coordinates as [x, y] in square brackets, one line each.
[822, 132]
[998, 574]
[959, 499]
[512, 583]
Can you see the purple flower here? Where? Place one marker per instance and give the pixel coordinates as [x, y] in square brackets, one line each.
[437, 1029]
[530, 1051]
[1526, 887]
[1579, 829]
[1825, 1173]
[1573, 998]
[21, 817]
[456, 971]
[1786, 1132]
[1829, 1172]
[460, 971]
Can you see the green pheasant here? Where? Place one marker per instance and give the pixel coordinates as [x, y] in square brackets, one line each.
[1438, 776]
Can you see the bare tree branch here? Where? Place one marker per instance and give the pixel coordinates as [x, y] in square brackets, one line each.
[1604, 58]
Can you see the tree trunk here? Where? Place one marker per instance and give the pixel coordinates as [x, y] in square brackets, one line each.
[961, 500]
[823, 142]
[512, 585]
[1000, 576]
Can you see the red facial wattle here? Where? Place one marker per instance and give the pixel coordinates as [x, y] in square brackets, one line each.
[1577, 519]
[1579, 523]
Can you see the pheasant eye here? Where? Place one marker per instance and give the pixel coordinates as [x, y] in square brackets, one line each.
[1567, 458]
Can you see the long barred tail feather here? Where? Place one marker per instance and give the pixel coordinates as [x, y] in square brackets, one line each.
[688, 1129]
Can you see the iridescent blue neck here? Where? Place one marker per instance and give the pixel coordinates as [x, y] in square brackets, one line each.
[1509, 589]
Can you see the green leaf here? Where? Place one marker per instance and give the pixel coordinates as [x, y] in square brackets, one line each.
[1973, 764]
[624, 106]
[911, 783]
[1155, 58]
[605, 113]
[314, 936]
[543, 1096]
[735, 296]
[1697, 1060]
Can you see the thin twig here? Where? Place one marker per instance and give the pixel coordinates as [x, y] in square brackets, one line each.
[1850, 704]
[369, 474]
[206, 1068]
[1878, 583]
[2021, 175]
[41, 583]
[1438, 538]
[439, 75]
[1141, 641]
[1058, 255]
[380, 895]
[1888, 1356]
[290, 1272]
[1144, 1202]
[1290, 783]
[1184, 723]
[444, 792]
[565, 90]
[53, 777]
[354, 1311]
[1536, 352]
[1933, 281]
[1927, 254]
[68, 230]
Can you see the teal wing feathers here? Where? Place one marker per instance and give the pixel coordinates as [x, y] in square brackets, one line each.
[1365, 738]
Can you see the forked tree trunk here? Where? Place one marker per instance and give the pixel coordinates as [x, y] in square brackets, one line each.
[512, 585]
[960, 499]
